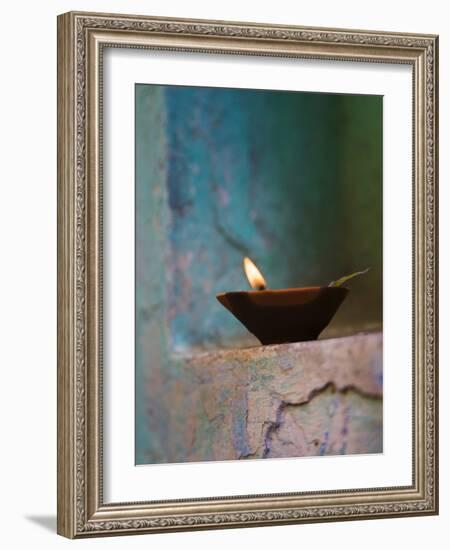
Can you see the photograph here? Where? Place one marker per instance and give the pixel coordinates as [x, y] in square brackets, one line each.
[258, 262]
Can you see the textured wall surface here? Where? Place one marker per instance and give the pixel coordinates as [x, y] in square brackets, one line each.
[292, 180]
[289, 400]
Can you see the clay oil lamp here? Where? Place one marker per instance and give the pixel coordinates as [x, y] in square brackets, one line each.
[286, 315]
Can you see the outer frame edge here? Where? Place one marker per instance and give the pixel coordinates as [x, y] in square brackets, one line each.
[67, 396]
[65, 424]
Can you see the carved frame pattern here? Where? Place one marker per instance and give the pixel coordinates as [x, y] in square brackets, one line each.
[81, 37]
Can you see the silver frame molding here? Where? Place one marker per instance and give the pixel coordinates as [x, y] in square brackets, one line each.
[81, 39]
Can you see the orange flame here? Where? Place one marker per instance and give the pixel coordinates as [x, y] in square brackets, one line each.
[254, 275]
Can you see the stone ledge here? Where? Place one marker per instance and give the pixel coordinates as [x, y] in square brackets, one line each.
[303, 399]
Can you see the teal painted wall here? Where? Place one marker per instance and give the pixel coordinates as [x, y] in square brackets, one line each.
[293, 180]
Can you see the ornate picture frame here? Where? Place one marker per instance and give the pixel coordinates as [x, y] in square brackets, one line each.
[82, 39]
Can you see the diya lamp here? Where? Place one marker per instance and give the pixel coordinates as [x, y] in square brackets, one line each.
[285, 315]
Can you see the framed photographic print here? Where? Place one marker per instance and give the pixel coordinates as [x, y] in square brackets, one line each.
[247, 288]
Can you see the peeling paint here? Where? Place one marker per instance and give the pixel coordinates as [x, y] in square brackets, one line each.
[239, 425]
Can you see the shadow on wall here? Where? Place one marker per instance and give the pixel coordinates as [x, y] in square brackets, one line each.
[46, 522]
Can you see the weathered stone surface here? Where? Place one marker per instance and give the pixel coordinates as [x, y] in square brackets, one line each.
[289, 400]
[330, 423]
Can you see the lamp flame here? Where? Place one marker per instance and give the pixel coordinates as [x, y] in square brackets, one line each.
[254, 275]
